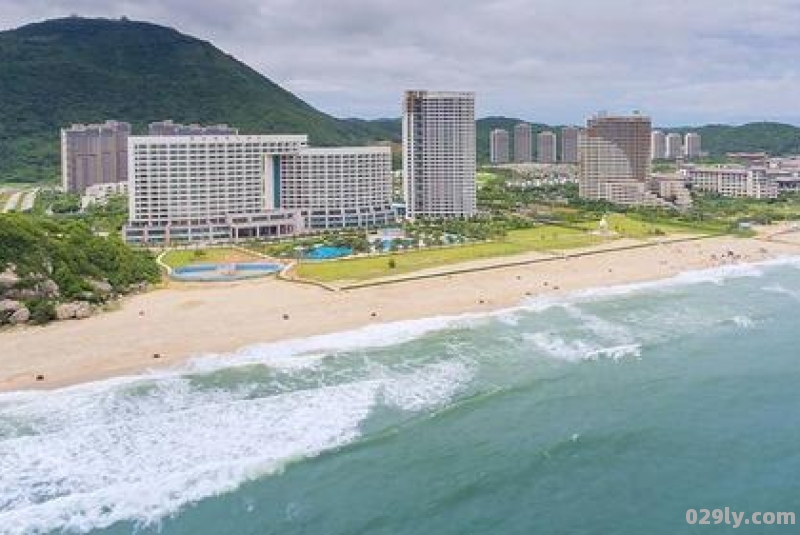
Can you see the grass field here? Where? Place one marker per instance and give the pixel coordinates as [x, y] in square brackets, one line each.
[184, 257]
[518, 241]
[483, 176]
[632, 227]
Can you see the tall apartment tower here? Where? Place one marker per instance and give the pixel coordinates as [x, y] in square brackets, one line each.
[523, 143]
[674, 146]
[546, 143]
[615, 159]
[94, 154]
[658, 145]
[169, 128]
[498, 146]
[570, 139]
[439, 154]
[692, 146]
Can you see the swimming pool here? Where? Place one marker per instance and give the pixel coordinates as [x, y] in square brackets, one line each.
[224, 272]
[327, 252]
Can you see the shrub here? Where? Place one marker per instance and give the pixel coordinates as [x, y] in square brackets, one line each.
[42, 311]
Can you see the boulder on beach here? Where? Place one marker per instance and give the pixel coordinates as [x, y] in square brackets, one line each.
[20, 316]
[76, 310]
[13, 312]
[101, 287]
[9, 306]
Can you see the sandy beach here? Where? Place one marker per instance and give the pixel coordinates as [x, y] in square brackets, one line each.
[190, 320]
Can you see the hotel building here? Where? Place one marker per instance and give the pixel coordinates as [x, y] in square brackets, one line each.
[570, 141]
[336, 188]
[615, 163]
[728, 181]
[546, 146]
[498, 146]
[219, 188]
[523, 143]
[94, 154]
[207, 188]
[439, 154]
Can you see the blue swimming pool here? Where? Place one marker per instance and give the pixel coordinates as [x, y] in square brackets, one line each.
[327, 252]
[224, 272]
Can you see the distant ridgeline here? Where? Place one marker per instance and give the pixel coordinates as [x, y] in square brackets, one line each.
[75, 70]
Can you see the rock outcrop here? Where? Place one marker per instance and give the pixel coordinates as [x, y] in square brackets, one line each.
[76, 310]
[13, 312]
[20, 316]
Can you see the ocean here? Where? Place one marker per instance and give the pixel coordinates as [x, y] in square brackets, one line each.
[611, 411]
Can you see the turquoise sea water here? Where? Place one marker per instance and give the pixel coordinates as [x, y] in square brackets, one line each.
[606, 412]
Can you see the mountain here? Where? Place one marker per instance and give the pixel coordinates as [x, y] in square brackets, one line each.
[72, 70]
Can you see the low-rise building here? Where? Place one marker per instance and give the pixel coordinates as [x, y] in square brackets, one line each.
[672, 189]
[99, 193]
[730, 181]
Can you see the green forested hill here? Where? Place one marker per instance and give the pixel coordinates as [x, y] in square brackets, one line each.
[70, 70]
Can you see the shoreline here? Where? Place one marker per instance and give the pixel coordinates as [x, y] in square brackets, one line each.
[211, 320]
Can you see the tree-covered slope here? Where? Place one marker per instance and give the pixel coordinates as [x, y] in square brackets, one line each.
[48, 261]
[71, 70]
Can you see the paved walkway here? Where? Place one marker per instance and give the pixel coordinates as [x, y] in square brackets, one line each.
[29, 199]
[12, 202]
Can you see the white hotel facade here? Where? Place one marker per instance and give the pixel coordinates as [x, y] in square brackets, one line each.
[337, 187]
[218, 188]
[733, 181]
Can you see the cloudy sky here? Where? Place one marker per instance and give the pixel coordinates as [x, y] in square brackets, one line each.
[554, 61]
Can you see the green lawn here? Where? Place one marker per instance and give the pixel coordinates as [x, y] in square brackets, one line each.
[518, 241]
[482, 177]
[184, 257]
[628, 226]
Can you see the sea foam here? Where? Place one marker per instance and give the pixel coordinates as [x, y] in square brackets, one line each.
[139, 448]
[95, 456]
